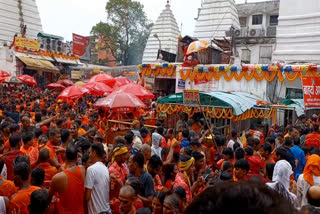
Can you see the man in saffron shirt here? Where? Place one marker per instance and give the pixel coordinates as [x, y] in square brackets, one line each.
[118, 170]
[313, 139]
[54, 141]
[49, 170]
[21, 200]
[15, 144]
[28, 149]
[70, 184]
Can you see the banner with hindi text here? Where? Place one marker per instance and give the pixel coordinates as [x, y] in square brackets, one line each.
[311, 92]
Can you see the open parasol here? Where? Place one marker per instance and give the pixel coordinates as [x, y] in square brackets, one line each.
[104, 78]
[4, 74]
[27, 80]
[197, 46]
[98, 88]
[120, 81]
[137, 90]
[73, 92]
[57, 86]
[120, 102]
[66, 83]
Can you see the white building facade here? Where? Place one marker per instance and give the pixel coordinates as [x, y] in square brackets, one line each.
[256, 37]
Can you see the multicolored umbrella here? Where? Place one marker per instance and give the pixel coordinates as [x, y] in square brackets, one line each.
[57, 86]
[98, 88]
[197, 46]
[120, 102]
[73, 92]
[66, 83]
[27, 80]
[137, 90]
[104, 78]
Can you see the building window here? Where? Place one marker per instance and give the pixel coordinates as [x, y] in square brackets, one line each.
[243, 21]
[265, 54]
[294, 93]
[274, 20]
[245, 56]
[257, 19]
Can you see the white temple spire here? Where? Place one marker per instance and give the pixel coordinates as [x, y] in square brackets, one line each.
[13, 14]
[215, 18]
[167, 31]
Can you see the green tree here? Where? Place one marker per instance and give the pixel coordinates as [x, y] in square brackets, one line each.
[126, 31]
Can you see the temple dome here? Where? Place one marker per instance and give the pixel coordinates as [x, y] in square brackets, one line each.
[215, 18]
[167, 30]
[13, 14]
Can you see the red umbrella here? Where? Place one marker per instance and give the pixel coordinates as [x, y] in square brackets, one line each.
[137, 90]
[98, 88]
[4, 74]
[27, 80]
[120, 102]
[123, 81]
[104, 78]
[73, 92]
[56, 86]
[66, 83]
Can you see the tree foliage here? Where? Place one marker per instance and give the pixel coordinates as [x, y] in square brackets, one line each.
[126, 31]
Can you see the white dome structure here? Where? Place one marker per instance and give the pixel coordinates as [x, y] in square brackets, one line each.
[14, 14]
[215, 18]
[167, 31]
[298, 32]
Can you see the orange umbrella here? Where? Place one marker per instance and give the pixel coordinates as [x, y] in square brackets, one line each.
[104, 78]
[73, 92]
[120, 102]
[137, 90]
[98, 88]
[27, 80]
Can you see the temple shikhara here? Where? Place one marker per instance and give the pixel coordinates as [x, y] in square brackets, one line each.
[19, 17]
[215, 18]
[167, 31]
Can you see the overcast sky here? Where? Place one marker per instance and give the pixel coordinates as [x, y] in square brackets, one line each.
[64, 17]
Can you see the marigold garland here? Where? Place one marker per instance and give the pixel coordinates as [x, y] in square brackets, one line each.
[216, 112]
[259, 73]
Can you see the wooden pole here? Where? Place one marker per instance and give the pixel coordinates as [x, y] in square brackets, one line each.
[127, 123]
[209, 126]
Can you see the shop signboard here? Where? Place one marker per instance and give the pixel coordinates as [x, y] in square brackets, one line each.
[81, 46]
[191, 97]
[311, 92]
[23, 44]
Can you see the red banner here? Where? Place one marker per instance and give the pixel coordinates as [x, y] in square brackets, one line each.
[80, 45]
[311, 92]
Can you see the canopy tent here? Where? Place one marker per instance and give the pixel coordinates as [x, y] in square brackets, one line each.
[217, 104]
[240, 102]
[297, 104]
